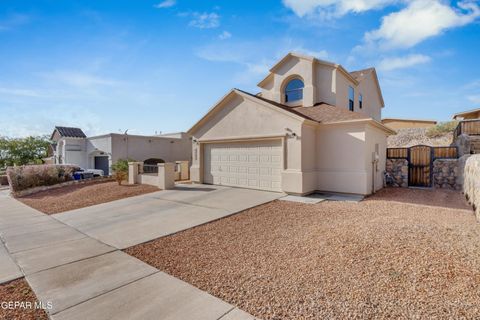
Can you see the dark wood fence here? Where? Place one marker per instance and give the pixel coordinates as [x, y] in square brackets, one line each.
[470, 127]
[420, 161]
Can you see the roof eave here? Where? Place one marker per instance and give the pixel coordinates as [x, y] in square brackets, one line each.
[359, 121]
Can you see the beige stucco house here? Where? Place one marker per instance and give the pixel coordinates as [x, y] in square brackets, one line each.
[467, 115]
[396, 124]
[72, 146]
[313, 127]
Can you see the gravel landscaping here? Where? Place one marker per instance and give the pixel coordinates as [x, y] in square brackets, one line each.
[82, 195]
[403, 253]
[19, 291]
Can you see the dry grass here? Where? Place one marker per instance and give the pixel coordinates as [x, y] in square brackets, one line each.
[19, 291]
[82, 195]
[399, 254]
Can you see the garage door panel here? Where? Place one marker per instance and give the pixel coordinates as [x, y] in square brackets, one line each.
[246, 164]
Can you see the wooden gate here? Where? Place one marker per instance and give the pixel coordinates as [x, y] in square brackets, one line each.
[420, 166]
[420, 161]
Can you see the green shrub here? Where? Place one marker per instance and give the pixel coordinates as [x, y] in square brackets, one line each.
[120, 170]
[441, 129]
[31, 176]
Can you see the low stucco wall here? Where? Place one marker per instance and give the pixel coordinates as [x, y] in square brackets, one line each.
[471, 186]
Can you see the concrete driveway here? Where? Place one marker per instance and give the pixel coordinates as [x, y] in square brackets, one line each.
[135, 220]
[83, 278]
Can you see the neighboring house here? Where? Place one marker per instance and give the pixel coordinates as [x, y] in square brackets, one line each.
[313, 127]
[395, 124]
[467, 115]
[72, 146]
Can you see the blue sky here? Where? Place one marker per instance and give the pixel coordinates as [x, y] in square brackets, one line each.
[158, 66]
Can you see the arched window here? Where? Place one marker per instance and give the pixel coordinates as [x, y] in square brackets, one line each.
[294, 90]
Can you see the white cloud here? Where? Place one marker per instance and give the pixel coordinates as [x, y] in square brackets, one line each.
[420, 20]
[255, 60]
[393, 63]
[79, 79]
[225, 35]
[337, 8]
[322, 54]
[165, 4]
[205, 20]
[20, 92]
[474, 98]
[20, 124]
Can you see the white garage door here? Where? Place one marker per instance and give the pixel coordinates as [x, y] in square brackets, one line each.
[255, 165]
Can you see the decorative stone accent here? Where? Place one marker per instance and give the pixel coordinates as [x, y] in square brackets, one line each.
[396, 173]
[446, 174]
[463, 144]
[471, 186]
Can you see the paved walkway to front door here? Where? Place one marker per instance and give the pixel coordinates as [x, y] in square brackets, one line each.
[84, 278]
[127, 222]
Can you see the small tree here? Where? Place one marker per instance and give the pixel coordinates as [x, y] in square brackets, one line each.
[120, 170]
[23, 151]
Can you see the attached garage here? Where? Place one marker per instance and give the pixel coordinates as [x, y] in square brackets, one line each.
[249, 164]
[250, 142]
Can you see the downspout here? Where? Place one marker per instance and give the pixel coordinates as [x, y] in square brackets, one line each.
[374, 169]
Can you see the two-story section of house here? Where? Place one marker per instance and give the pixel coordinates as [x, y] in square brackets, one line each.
[313, 127]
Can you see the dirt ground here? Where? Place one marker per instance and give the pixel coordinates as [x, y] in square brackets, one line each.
[402, 253]
[80, 196]
[19, 291]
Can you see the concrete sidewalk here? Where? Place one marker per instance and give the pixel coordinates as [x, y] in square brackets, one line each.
[127, 222]
[84, 278]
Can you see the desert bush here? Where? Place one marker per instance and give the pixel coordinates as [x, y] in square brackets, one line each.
[120, 170]
[26, 177]
[441, 129]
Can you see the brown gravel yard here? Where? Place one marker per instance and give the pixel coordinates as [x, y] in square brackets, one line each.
[82, 195]
[19, 291]
[402, 253]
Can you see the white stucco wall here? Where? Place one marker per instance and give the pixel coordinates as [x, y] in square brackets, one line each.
[372, 103]
[72, 151]
[341, 159]
[292, 68]
[325, 85]
[375, 136]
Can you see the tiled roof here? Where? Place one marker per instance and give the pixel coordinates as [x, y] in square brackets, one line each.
[70, 132]
[325, 113]
[321, 112]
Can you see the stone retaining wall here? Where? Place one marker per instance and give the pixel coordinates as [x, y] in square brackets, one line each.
[471, 186]
[445, 174]
[396, 173]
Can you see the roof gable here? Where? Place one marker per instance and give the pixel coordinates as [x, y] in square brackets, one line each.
[308, 58]
[69, 132]
[262, 101]
[322, 113]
